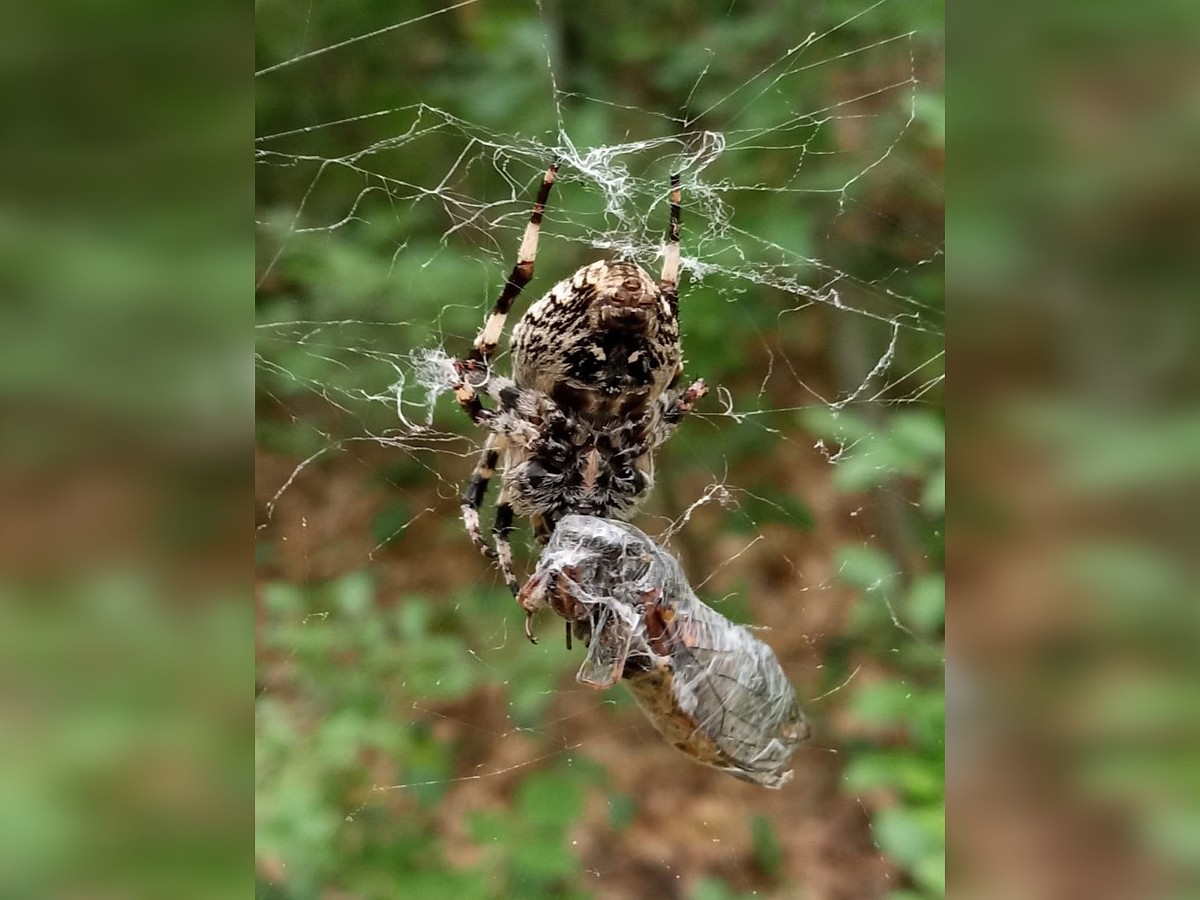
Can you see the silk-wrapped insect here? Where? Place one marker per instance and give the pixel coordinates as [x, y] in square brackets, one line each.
[710, 687]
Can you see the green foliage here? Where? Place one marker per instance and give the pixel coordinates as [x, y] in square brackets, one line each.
[910, 444]
[530, 840]
[767, 850]
[356, 763]
[349, 779]
[712, 889]
[907, 776]
[915, 836]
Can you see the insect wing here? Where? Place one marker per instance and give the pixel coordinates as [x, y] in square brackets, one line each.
[609, 648]
[734, 688]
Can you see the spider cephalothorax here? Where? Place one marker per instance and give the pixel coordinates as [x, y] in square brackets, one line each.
[595, 389]
[559, 460]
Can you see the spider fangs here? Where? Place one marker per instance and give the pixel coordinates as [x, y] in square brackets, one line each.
[595, 388]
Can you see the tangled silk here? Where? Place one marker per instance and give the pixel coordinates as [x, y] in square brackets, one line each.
[710, 687]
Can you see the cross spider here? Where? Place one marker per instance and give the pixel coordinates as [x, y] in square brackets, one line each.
[596, 366]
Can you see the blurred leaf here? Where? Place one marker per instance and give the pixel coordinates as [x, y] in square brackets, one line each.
[925, 606]
[931, 113]
[933, 497]
[281, 598]
[354, 594]
[767, 850]
[1102, 454]
[866, 568]
[915, 837]
[883, 704]
[912, 777]
[838, 425]
[921, 435]
[549, 799]
[622, 810]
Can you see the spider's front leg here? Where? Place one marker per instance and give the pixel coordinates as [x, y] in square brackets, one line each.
[517, 407]
[474, 376]
[675, 405]
[680, 405]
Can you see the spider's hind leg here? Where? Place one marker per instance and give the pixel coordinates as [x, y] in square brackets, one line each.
[472, 498]
[502, 528]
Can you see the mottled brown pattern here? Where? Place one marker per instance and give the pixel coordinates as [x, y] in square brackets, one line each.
[595, 388]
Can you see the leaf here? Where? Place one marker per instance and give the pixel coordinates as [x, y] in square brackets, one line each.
[549, 799]
[925, 605]
[354, 594]
[767, 849]
[882, 704]
[920, 434]
[933, 497]
[866, 568]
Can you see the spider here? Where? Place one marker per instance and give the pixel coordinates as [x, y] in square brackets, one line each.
[595, 388]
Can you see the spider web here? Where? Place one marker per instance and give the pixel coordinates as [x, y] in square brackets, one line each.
[385, 232]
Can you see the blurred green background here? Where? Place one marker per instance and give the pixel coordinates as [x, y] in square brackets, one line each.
[122, 480]
[409, 742]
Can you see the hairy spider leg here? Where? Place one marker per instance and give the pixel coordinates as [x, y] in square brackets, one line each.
[472, 498]
[669, 282]
[506, 425]
[489, 337]
[515, 406]
[676, 405]
[468, 399]
[502, 527]
[682, 405]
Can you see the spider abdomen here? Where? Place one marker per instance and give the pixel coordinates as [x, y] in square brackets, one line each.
[604, 342]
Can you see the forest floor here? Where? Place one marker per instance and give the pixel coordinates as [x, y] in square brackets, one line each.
[689, 821]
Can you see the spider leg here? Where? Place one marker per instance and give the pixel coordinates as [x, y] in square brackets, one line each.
[502, 528]
[682, 404]
[669, 282]
[468, 398]
[675, 405]
[517, 409]
[542, 527]
[472, 498]
[489, 336]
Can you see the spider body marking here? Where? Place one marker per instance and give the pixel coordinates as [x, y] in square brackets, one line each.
[595, 389]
